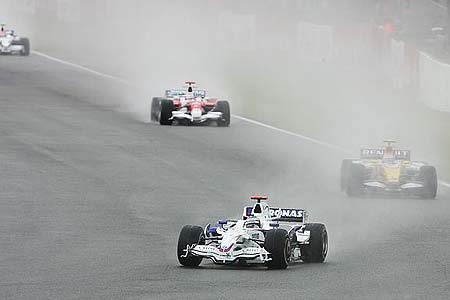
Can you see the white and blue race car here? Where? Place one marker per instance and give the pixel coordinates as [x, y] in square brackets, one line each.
[274, 237]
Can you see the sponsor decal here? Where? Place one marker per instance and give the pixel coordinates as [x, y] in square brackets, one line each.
[378, 154]
[225, 248]
[286, 213]
[183, 93]
[252, 250]
[281, 213]
[248, 211]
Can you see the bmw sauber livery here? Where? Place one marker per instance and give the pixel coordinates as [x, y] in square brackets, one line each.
[11, 43]
[189, 106]
[281, 213]
[388, 170]
[271, 236]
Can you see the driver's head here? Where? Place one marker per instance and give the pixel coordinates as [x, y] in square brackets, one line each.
[388, 152]
[252, 223]
[190, 92]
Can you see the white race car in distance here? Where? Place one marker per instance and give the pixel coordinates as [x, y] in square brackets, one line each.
[10, 43]
[266, 235]
[189, 106]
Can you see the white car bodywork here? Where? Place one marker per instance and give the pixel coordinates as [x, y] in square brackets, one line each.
[191, 106]
[241, 240]
[7, 43]
[196, 115]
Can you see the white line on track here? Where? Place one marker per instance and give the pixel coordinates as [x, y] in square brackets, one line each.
[438, 4]
[82, 68]
[123, 81]
[445, 184]
[306, 138]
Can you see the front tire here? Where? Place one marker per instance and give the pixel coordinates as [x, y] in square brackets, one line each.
[189, 235]
[26, 46]
[224, 108]
[355, 183]
[277, 242]
[428, 176]
[317, 249]
[345, 173]
[155, 109]
[166, 112]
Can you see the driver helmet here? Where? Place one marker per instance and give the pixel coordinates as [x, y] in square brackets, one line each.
[190, 91]
[252, 223]
[388, 152]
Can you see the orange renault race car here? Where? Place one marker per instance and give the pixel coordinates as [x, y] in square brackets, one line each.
[388, 170]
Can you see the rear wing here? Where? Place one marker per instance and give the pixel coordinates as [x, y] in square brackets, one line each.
[281, 214]
[182, 93]
[378, 154]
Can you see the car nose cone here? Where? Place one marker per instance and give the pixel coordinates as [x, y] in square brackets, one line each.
[5, 43]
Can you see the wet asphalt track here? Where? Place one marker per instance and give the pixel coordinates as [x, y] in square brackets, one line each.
[91, 203]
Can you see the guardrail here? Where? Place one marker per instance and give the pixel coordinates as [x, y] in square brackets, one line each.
[434, 82]
[429, 77]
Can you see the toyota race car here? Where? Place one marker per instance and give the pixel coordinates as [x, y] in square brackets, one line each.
[388, 170]
[189, 106]
[10, 43]
[274, 237]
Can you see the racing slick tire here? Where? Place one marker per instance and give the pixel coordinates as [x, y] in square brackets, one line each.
[428, 176]
[166, 112]
[277, 242]
[345, 170]
[355, 183]
[224, 108]
[189, 235]
[317, 249]
[155, 109]
[26, 46]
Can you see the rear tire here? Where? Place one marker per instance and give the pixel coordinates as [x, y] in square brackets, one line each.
[355, 183]
[277, 242]
[224, 108]
[189, 235]
[317, 249]
[166, 112]
[26, 46]
[428, 176]
[155, 109]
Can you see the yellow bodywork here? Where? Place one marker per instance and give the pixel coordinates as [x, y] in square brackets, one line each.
[392, 174]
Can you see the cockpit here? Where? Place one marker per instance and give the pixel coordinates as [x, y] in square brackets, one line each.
[252, 223]
[388, 151]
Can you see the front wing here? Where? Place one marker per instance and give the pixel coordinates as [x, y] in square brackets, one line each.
[405, 187]
[212, 115]
[255, 254]
[12, 49]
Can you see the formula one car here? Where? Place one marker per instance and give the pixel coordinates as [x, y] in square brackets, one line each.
[10, 43]
[274, 237]
[388, 170]
[189, 106]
